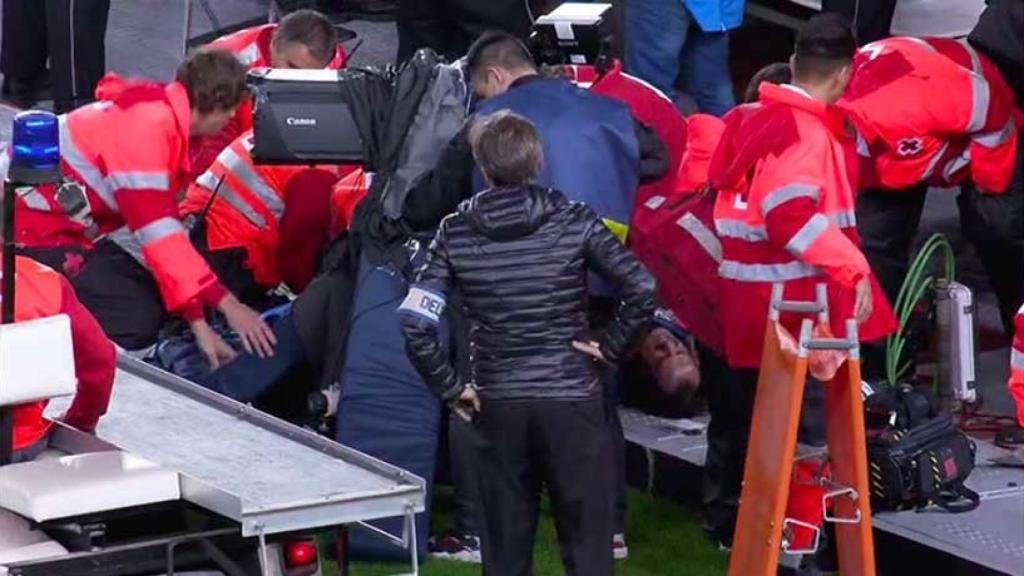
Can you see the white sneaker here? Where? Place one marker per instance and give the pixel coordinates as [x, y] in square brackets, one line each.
[457, 547]
[619, 549]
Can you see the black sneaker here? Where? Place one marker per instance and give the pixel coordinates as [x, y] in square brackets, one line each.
[457, 547]
[1011, 437]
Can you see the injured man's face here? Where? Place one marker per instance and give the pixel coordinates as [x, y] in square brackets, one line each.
[674, 364]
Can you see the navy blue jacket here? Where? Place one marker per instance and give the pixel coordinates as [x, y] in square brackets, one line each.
[591, 153]
[643, 157]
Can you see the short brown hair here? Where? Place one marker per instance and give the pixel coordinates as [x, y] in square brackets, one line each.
[214, 79]
[507, 148]
[311, 29]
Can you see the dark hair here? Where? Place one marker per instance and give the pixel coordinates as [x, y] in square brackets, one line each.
[499, 49]
[507, 148]
[825, 44]
[214, 79]
[774, 73]
[311, 29]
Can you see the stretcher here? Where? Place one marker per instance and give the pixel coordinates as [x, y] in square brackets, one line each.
[179, 476]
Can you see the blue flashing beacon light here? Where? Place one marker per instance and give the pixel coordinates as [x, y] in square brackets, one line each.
[35, 155]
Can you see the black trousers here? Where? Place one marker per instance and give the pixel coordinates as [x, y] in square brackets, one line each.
[464, 476]
[450, 26]
[70, 34]
[871, 18]
[523, 446]
[122, 295]
[888, 221]
[731, 393]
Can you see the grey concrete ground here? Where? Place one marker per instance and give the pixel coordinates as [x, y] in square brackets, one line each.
[145, 38]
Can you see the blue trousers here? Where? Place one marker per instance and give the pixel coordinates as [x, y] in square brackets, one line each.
[247, 377]
[664, 44]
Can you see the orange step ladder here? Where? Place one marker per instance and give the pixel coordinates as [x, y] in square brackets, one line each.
[762, 523]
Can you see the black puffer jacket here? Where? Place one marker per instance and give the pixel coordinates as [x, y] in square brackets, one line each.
[519, 257]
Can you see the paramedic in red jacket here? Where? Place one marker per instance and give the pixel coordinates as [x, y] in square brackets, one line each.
[41, 293]
[127, 157]
[934, 112]
[1013, 437]
[304, 39]
[793, 221]
[259, 226]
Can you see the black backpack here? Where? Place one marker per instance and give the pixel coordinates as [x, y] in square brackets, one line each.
[916, 455]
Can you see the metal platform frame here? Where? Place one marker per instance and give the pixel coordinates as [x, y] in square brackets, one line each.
[966, 536]
[380, 490]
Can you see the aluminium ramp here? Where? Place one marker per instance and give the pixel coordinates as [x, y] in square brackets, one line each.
[266, 474]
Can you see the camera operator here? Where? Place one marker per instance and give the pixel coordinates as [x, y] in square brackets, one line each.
[597, 152]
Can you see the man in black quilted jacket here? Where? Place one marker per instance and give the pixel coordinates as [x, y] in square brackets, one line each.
[519, 255]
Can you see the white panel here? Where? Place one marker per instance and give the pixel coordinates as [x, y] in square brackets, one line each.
[84, 484]
[37, 360]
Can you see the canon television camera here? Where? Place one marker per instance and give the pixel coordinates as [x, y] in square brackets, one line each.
[302, 117]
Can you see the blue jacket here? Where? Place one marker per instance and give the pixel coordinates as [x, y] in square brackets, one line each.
[716, 15]
[591, 153]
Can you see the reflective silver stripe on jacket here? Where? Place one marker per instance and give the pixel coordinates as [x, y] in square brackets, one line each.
[786, 193]
[740, 230]
[812, 230]
[847, 219]
[243, 170]
[934, 162]
[702, 235]
[91, 176]
[732, 270]
[33, 198]
[956, 164]
[249, 54]
[226, 192]
[997, 137]
[1016, 359]
[980, 92]
[138, 180]
[152, 232]
[129, 243]
[159, 229]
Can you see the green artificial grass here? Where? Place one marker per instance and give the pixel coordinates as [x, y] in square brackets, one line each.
[664, 539]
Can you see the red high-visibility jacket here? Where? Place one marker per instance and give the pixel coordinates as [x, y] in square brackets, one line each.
[674, 237]
[41, 292]
[652, 108]
[793, 224]
[279, 214]
[1017, 365]
[130, 152]
[346, 195]
[252, 48]
[933, 111]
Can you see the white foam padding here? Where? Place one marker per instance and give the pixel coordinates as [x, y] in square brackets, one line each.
[82, 484]
[37, 360]
[19, 542]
